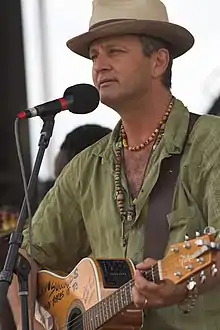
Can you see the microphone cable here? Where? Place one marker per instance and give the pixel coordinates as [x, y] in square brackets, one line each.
[28, 206]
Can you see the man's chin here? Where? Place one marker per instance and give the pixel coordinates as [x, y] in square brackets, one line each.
[109, 99]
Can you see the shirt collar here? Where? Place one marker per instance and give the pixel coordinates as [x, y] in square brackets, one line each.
[176, 128]
[174, 133]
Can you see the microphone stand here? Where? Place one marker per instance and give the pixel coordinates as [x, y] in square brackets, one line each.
[15, 262]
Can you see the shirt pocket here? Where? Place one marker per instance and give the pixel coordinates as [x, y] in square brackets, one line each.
[183, 222]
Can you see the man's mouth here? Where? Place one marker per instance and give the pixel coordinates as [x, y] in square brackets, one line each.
[105, 82]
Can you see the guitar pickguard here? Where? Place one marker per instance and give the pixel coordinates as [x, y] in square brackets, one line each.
[115, 273]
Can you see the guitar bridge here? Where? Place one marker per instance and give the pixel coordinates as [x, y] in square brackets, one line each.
[115, 273]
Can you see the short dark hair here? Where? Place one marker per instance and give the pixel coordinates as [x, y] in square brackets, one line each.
[151, 45]
[82, 137]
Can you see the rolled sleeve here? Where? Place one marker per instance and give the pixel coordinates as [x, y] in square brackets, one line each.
[59, 238]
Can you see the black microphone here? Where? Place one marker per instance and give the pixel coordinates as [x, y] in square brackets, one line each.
[79, 99]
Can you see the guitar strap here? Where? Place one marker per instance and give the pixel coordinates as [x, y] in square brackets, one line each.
[160, 202]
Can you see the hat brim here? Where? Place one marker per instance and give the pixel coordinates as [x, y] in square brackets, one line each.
[180, 39]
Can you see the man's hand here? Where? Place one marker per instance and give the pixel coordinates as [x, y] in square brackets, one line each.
[148, 294]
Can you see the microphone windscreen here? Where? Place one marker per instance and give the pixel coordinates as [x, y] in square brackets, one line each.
[85, 98]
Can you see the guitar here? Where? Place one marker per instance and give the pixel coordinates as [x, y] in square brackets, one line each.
[97, 293]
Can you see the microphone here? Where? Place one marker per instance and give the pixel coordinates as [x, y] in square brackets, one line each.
[79, 99]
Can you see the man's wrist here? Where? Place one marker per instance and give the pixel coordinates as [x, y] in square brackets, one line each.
[181, 292]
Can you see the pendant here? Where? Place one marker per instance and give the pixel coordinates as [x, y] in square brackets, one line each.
[130, 214]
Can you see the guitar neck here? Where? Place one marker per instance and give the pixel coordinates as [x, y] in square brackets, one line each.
[117, 301]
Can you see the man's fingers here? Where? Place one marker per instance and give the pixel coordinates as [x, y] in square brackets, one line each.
[142, 284]
[147, 263]
[138, 299]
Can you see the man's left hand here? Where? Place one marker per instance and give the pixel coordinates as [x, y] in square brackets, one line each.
[148, 294]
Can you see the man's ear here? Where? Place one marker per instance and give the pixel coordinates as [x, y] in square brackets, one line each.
[160, 61]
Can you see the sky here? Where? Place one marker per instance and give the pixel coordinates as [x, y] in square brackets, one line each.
[51, 67]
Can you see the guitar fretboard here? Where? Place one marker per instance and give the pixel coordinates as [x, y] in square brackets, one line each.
[102, 312]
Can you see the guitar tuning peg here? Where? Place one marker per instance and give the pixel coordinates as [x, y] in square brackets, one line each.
[202, 276]
[186, 237]
[197, 234]
[175, 249]
[187, 244]
[200, 260]
[214, 270]
[209, 230]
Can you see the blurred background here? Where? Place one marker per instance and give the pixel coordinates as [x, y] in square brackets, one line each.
[36, 66]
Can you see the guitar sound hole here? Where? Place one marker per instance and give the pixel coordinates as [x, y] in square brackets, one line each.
[75, 321]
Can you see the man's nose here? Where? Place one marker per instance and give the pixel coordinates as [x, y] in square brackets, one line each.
[101, 63]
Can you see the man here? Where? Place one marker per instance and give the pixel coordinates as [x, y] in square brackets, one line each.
[99, 203]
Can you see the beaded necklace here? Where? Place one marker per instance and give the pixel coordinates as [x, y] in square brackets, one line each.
[129, 214]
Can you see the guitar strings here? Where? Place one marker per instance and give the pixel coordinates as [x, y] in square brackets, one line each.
[78, 322]
[81, 320]
[89, 322]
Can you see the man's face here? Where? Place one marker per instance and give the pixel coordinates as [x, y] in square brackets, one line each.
[121, 72]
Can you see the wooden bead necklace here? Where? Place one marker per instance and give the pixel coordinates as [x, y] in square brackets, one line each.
[129, 215]
[152, 136]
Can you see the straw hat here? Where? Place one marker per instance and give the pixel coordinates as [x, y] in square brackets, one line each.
[119, 17]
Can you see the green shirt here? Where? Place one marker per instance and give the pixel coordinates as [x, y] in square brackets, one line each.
[79, 215]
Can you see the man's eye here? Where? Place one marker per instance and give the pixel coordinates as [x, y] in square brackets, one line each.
[93, 57]
[112, 51]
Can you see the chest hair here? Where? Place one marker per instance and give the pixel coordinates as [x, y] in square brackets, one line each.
[135, 164]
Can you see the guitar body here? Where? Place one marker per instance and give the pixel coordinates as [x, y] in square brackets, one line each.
[73, 300]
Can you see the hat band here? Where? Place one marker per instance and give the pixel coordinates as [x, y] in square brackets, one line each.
[94, 26]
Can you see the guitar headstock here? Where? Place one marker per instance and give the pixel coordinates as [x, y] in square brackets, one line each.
[187, 258]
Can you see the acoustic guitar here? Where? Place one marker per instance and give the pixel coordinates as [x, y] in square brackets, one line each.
[97, 293]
